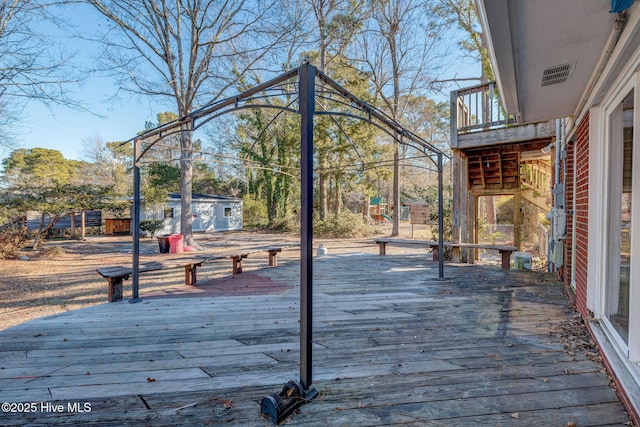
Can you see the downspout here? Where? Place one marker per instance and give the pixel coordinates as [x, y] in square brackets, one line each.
[555, 212]
[556, 231]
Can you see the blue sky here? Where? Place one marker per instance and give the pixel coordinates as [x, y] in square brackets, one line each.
[65, 129]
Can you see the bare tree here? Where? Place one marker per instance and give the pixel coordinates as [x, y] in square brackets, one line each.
[464, 13]
[401, 51]
[187, 52]
[32, 65]
[108, 164]
[335, 22]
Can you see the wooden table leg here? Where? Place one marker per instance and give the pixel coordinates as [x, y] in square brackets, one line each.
[273, 257]
[237, 264]
[190, 276]
[383, 248]
[435, 251]
[455, 253]
[115, 288]
[506, 259]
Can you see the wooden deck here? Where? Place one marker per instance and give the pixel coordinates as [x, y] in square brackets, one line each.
[394, 346]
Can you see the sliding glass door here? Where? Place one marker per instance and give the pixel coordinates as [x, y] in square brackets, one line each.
[617, 288]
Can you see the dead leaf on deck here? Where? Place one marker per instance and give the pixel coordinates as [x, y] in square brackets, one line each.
[515, 415]
[150, 380]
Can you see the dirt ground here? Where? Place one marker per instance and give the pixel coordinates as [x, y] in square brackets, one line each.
[63, 277]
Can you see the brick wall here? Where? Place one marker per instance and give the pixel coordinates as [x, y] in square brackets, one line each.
[581, 213]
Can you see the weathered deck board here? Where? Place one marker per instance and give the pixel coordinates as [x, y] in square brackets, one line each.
[392, 346]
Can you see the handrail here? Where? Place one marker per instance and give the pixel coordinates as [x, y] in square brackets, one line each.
[536, 174]
[478, 108]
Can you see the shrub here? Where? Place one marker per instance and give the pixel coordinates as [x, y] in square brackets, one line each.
[150, 226]
[285, 224]
[52, 252]
[254, 212]
[13, 237]
[342, 225]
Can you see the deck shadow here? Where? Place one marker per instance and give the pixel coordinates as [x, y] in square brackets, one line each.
[236, 285]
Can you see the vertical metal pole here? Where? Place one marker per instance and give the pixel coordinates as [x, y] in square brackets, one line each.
[136, 223]
[307, 106]
[440, 220]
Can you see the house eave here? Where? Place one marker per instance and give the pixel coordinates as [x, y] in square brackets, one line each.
[526, 40]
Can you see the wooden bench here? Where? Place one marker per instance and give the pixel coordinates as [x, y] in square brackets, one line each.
[505, 251]
[114, 275]
[273, 252]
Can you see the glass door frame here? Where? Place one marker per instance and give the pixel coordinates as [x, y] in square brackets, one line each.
[613, 129]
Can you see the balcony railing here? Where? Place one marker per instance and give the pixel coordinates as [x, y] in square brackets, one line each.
[478, 108]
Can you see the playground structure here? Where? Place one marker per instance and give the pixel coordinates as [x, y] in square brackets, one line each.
[379, 210]
[382, 213]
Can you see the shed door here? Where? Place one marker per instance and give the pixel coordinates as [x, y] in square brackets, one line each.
[223, 214]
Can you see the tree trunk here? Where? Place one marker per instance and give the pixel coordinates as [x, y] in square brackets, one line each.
[186, 184]
[82, 226]
[338, 197]
[73, 225]
[271, 197]
[38, 237]
[490, 210]
[322, 154]
[365, 207]
[396, 191]
[322, 186]
[42, 230]
[393, 50]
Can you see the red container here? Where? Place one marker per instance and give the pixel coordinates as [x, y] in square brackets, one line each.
[176, 244]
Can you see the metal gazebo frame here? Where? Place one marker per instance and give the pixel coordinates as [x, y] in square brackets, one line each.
[331, 90]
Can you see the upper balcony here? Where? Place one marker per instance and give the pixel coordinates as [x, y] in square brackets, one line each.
[478, 119]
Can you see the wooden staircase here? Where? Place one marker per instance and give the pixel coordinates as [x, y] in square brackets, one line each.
[505, 172]
[535, 176]
[536, 198]
[494, 171]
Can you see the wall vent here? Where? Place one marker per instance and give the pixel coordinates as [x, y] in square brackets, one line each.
[557, 74]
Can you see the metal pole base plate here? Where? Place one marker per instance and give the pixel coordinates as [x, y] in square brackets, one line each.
[278, 406]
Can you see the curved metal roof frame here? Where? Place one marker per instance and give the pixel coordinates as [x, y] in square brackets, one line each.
[307, 75]
[373, 115]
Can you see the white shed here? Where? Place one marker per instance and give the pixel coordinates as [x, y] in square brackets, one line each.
[210, 213]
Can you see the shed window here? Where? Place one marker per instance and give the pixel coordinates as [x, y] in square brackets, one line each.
[168, 213]
[227, 212]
